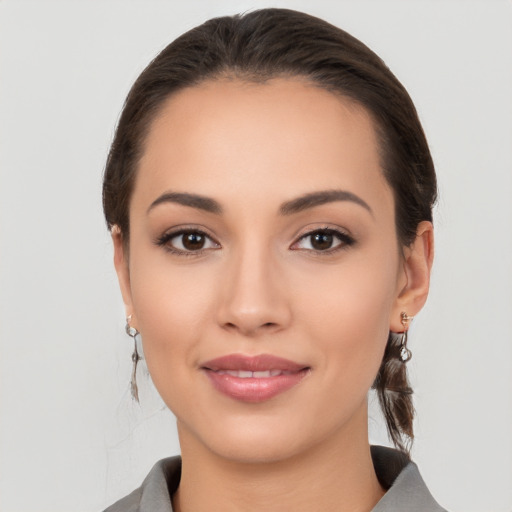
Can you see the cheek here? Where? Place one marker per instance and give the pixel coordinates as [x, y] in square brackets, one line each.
[346, 309]
[173, 306]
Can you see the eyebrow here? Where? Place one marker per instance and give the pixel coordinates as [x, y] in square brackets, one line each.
[318, 198]
[291, 207]
[193, 200]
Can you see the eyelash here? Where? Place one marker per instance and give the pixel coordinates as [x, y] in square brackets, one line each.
[344, 239]
[163, 241]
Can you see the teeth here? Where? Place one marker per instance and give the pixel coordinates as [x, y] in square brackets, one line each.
[262, 375]
[245, 374]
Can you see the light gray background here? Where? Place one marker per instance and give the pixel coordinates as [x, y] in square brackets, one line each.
[70, 437]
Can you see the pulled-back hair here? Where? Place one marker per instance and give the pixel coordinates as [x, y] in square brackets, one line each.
[271, 43]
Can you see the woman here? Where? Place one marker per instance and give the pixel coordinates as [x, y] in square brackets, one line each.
[269, 192]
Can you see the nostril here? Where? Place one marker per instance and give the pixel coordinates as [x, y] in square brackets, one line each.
[250, 329]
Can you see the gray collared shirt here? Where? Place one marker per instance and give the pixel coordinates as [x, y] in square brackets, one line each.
[406, 489]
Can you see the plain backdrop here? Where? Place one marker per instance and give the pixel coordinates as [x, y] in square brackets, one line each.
[71, 439]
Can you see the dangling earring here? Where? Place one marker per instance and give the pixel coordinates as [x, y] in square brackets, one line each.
[133, 333]
[405, 353]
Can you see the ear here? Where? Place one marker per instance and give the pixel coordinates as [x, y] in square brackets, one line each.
[415, 275]
[123, 271]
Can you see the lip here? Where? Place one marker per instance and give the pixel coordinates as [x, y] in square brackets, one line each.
[274, 375]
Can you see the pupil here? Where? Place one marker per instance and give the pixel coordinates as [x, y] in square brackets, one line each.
[322, 241]
[193, 241]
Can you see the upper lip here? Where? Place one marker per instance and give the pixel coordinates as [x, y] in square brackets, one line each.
[257, 363]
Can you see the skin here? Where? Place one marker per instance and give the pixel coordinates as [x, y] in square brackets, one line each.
[260, 286]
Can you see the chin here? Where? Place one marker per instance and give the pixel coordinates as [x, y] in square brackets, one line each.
[256, 447]
[258, 438]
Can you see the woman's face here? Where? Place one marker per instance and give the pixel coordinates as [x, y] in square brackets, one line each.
[262, 230]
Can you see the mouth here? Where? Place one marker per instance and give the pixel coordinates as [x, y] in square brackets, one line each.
[253, 378]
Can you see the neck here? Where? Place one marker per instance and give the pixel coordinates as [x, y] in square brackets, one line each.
[336, 475]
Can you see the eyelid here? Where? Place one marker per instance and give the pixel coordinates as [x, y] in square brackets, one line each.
[346, 239]
[164, 239]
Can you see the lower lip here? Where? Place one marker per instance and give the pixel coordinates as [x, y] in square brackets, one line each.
[254, 389]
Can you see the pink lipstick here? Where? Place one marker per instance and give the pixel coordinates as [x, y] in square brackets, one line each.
[253, 378]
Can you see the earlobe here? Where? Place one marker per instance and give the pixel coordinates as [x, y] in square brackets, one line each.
[417, 265]
[122, 268]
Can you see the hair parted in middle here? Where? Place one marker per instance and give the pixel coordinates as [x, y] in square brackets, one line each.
[275, 43]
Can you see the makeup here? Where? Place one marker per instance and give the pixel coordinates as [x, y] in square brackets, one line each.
[253, 378]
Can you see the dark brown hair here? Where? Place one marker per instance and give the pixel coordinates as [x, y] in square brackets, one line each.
[271, 43]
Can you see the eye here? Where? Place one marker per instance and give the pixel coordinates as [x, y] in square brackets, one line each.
[324, 240]
[187, 241]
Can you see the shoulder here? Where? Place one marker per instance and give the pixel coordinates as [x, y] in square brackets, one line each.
[129, 503]
[154, 495]
[406, 488]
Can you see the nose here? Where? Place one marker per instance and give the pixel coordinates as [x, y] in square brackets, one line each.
[255, 299]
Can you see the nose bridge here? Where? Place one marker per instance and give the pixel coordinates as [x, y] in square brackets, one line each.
[254, 299]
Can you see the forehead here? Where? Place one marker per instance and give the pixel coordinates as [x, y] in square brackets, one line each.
[279, 139]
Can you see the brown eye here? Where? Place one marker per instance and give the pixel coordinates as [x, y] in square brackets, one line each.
[324, 240]
[193, 241]
[187, 242]
[321, 241]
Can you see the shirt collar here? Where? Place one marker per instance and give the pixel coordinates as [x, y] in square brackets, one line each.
[406, 489]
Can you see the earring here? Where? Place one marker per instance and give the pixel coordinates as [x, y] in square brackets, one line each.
[405, 353]
[133, 333]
